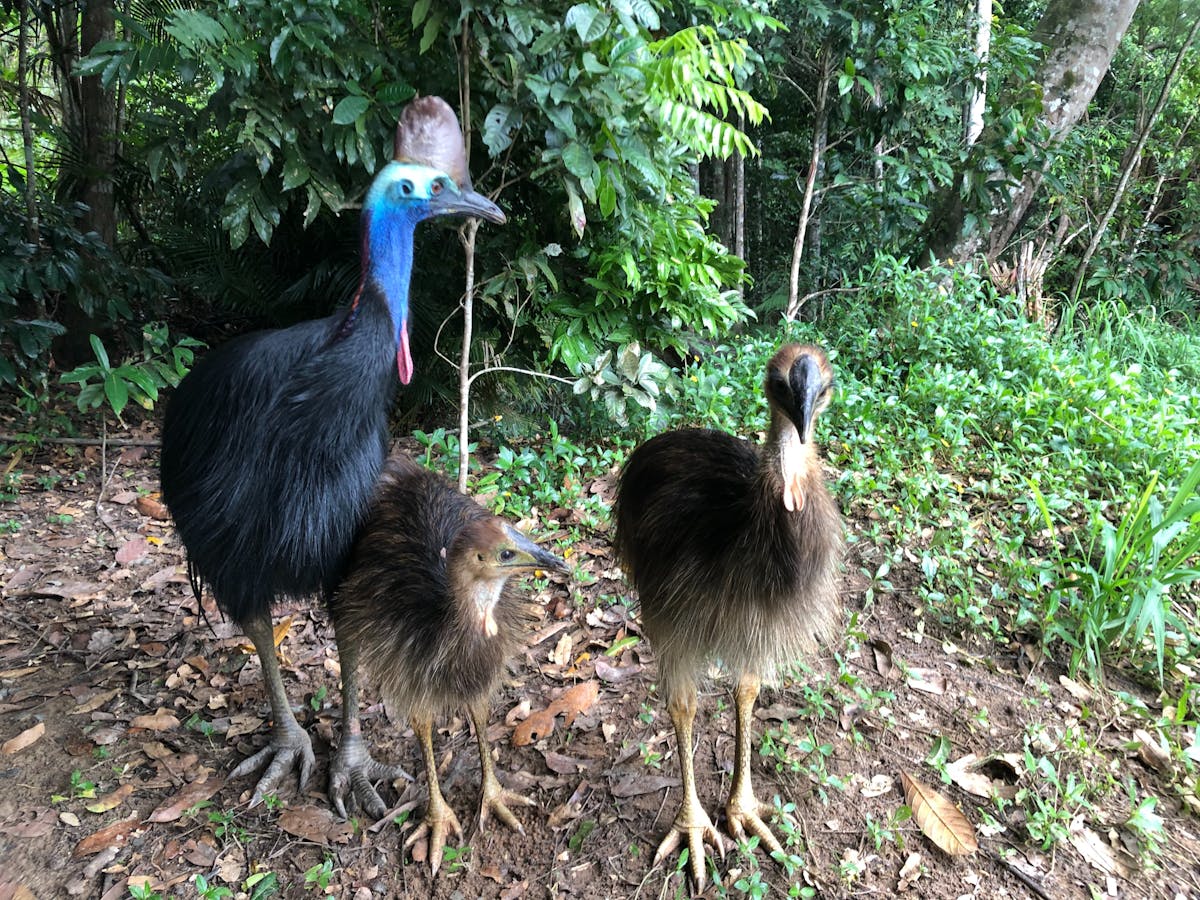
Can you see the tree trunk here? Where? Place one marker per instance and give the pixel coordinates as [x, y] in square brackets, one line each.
[1133, 160]
[1079, 39]
[99, 121]
[739, 207]
[983, 44]
[32, 229]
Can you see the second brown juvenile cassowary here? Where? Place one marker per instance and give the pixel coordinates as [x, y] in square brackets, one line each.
[734, 552]
[429, 609]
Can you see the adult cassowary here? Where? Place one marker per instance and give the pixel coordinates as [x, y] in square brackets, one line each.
[272, 445]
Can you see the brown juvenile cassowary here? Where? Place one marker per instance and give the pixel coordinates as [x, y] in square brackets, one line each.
[272, 445]
[734, 552]
[429, 609]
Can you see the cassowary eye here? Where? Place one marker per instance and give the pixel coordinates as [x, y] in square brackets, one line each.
[406, 187]
[507, 555]
[437, 187]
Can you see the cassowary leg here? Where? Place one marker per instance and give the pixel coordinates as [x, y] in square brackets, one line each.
[289, 746]
[744, 811]
[692, 822]
[494, 797]
[353, 773]
[439, 817]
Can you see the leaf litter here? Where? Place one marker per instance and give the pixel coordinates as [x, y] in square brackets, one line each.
[103, 645]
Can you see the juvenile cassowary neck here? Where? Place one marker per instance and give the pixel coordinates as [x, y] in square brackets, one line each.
[789, 461]
[387, 250]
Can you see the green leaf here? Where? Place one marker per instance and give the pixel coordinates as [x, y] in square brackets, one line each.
[349, 109]
[589, 23]
[578, 160]
[101, 353]
[117, 392]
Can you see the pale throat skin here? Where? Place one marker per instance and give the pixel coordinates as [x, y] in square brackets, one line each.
[796, 457]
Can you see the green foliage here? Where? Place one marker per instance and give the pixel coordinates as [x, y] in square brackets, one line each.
[68, 269]
[1115, 589]
[301, 99]
[160, 366]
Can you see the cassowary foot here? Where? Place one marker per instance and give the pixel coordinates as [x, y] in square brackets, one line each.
[746, 816]
[289, 748]
[438, 822]
[353, 774]
[495, 800]
[691, 823]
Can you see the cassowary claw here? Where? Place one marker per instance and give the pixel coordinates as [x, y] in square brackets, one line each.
[353, 774]
[289, 748]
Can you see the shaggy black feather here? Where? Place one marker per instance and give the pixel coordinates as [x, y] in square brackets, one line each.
[271, 449]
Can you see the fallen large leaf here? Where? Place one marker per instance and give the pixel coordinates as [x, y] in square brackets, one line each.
[39, 826]
[114, 835]
[315, 823]
[149, 506]
[938, 818]
[966, 773]
[132, 550]
[111, 801]
[158, 721]
[192, 794]
[570, 703]
[24, 739]
[1093, 849]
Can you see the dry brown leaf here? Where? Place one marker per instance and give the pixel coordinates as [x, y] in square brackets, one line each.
[37, 827]
[882, 651]
[94, 702]
[562, 764]
[940, 820]
[114, 835]
[606, 671]
[517, 890]
[315, 823]
[570, 703]
[10, 891]
[111, 801]
[909, 872]
[158, 721]
[24, 739]
[1151, 751]
[199, 790]
[929, 681]
[19, 673]
[561, 653]
[635, 784]
[965, 772]
[1095, 851]
[132, 550]
[1075, 689]
[155, 509]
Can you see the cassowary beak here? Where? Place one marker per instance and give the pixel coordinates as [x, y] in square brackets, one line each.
[526, 556]
[466, 203]
[807, 386]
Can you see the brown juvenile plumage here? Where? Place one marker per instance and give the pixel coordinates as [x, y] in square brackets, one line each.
[429, 609]
[734, 552]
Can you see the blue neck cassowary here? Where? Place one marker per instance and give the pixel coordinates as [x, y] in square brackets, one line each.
[734, 551]
[272, 445]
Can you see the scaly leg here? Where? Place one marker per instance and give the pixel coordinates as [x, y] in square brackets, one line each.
[691, 822]
[439, 817]
[353, 772]
[289, 746]
[494, 797]
[744, 811]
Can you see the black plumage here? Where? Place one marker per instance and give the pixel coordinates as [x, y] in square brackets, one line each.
[734, 552]
[429, 609]
[272, 444]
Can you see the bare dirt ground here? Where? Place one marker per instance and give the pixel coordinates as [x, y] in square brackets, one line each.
[109, 669]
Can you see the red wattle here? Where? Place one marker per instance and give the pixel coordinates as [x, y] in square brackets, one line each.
[404, 363]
